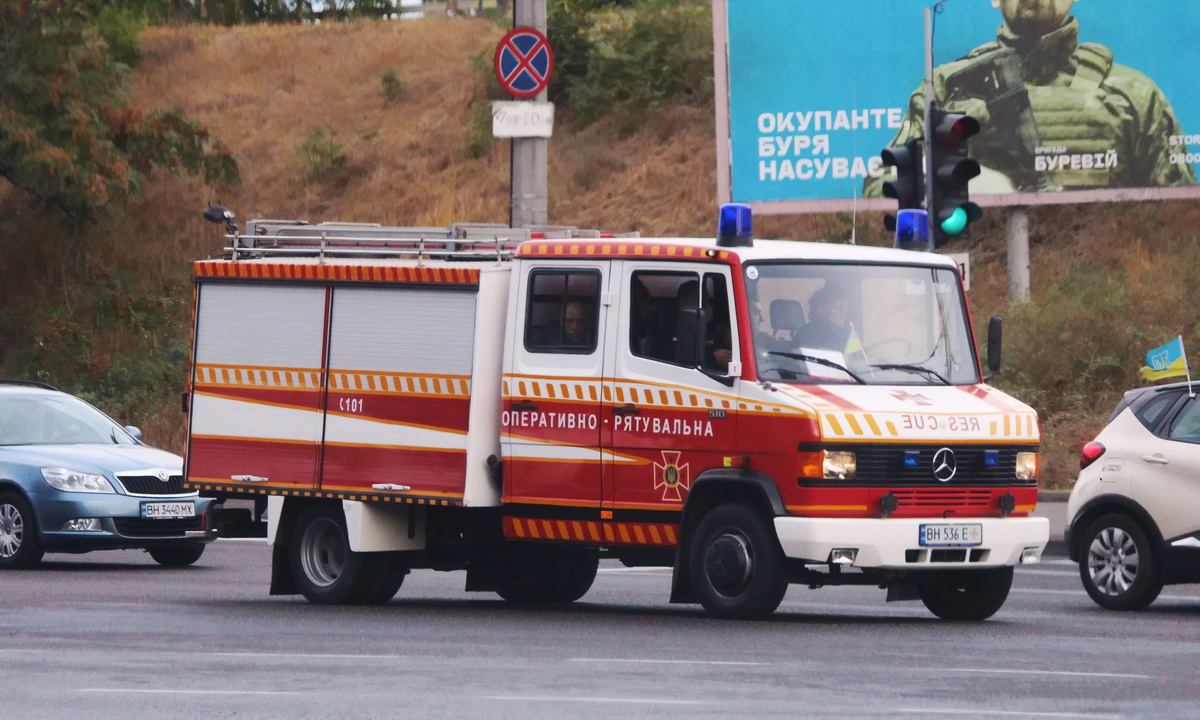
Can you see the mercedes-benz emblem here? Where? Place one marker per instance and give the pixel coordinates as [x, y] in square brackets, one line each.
[944, 464]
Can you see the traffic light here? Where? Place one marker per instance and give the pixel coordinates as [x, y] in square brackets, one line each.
[908, 189]
[950, 209]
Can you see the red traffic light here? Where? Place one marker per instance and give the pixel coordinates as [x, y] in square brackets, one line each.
[954, 129]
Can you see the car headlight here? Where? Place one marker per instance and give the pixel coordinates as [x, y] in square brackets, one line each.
[1027, 466]
[75, 481]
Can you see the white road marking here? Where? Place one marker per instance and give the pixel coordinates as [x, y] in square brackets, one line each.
[1031, 591]
[313, 656]
[1073, 673]
[1082, 593]
[188, 692]
[663, 662]
[976, 712]
[550, 698]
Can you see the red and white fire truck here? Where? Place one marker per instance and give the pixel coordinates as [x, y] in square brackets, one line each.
[522, 404]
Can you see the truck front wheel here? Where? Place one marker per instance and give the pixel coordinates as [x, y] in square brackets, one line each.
[965, 594]
[325, 569]
[736, 565]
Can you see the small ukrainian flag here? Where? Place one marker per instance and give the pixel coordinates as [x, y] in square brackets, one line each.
[1166, 361]
[856, 356]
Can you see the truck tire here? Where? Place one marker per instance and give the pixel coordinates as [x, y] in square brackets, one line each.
[177, 555]
[532, 574]
[1117, 564]
[736, 565]
[579, 572]
[326, 571]
[390, 570]
[964, 594]
[19, 544]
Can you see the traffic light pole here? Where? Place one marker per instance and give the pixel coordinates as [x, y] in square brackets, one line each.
[1017, 225]
[928, 154]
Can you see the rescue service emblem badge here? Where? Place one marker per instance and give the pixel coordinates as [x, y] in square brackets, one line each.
[672, 477]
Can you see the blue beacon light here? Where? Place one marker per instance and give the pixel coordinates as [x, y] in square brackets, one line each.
[912, 230]
[734, 226]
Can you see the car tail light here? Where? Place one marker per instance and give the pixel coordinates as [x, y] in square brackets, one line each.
[1091, 451]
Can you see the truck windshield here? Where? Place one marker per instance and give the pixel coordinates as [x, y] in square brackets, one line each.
[869, 324]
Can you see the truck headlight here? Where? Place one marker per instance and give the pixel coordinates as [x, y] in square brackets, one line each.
[75, 481]
[1027, 466]
[839, 465]
[828, 465]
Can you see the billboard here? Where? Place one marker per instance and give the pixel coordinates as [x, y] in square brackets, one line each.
[1084, 101]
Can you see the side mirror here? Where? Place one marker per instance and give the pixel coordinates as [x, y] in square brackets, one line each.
[689, 337]
[135, 432]
[995, 335]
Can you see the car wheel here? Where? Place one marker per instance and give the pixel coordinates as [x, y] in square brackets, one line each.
[736, 564]
[1118, 565]
[19, 544]
[324, 568]
[964, 594]
[177, 555]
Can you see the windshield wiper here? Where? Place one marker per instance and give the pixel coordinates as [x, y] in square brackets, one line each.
[915, 368]
[819, 361]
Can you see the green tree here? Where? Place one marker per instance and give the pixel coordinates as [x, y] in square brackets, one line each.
[68, 137]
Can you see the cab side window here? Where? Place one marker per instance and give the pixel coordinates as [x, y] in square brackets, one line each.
[562, 311]
[656, 297]
[1186, 425]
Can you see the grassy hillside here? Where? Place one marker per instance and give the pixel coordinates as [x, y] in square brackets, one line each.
[108, 317]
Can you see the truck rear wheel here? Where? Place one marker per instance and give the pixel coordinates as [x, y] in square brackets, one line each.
[533, 574]
[390, 570]
[965, 594]
[736, 565]
[325, 569]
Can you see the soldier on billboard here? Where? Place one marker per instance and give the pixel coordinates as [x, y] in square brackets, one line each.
[1056, 114]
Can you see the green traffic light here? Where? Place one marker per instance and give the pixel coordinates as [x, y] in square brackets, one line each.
[955, 222]
[958, 219]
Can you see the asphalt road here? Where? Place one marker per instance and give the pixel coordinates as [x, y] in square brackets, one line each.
[112, 635]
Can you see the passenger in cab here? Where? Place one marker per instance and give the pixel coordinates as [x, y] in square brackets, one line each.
[828, 313]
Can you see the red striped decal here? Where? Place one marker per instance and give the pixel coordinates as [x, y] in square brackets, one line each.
[824, 394]
[353, 273]
[988, 397]
[590, 531]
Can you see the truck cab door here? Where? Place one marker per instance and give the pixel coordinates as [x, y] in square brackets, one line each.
[550, 422]
[665, 422]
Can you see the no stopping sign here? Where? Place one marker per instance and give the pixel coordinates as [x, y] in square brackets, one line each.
[524, 62]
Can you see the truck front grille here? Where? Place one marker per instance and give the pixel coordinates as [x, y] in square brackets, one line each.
[885, 465]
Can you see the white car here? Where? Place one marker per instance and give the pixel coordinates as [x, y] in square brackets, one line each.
[1135, 509]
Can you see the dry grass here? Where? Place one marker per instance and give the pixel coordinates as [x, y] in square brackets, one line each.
[261, 88]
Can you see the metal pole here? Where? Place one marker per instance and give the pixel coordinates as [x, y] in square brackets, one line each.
[529, 155]
[1017, 230]
[926, 155]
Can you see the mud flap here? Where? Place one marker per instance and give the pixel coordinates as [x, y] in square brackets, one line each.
[903, 590]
